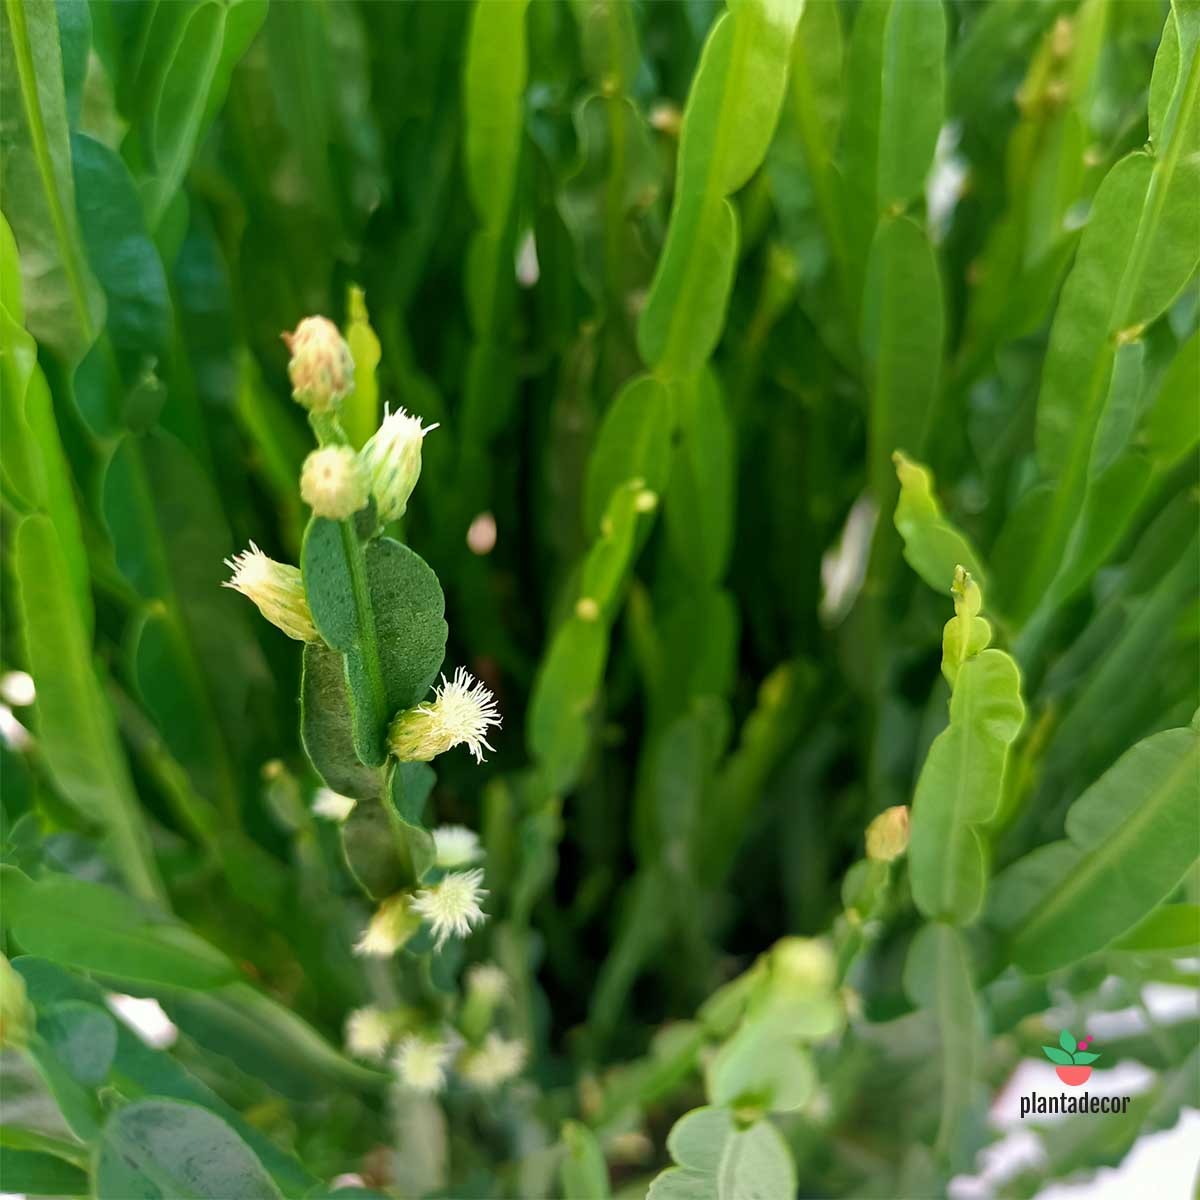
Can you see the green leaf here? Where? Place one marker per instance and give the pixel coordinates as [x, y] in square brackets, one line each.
[763, 1066]
[1169, 928]
[1067, 1042]
[584, 1172]
[1083, 1057]
[384, 616]
[937, 975]
[1137, 252]
[699, 502]
[633, 443]
[1061, 1057]
[360, 411]
[731, 112]
[122, 256]
[160, 1149]
[933, 546]
[33, 1173]
[1070, 898]
[83, 1038]
[75, 727]
[326, 726]
[903, 332]
[960, 787]
[64, 307]
[720, 1161]
[118, 938]
[188, 53]
[560, 710]
[155, 1072]
[895, 97]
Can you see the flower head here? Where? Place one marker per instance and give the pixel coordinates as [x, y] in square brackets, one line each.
[421, 1063]
[368, 1032]
[276, 588]
[887, 834]
[497, 1061]
[392, 458]
[392, 925]
[462, 711]
[321, 367]
[488, 981]
[332, 483]
[451, 906]
[456, 846]
[331, 805]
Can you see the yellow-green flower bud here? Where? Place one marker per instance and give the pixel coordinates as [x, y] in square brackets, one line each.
[16, 1013]
[462, 711]
[392, 925]
[887, 834]
[392, 460]
[332, 483]
[321, 367]
[276, 588]
[802, 964]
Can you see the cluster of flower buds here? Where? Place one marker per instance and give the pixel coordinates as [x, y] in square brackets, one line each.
[337, 482]
[423, 1057]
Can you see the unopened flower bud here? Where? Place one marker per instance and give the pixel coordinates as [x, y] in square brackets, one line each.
[332, 483]
[276, 588]
[368, 1032]
[321, 367]
[887, 834]
[17, 1019]
[392, 925]
[392, 459]
[803, 963]
[331, 805]
[421, 1063]
[462, 711]
[497, 1061]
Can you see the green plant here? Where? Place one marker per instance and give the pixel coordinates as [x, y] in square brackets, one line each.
[686, 382]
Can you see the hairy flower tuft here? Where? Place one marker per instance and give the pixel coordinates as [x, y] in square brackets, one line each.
[462, 711]
[368, 1032]
[488, 981]
[392, 925]
[332, 483]
[331, 805]
[392, 459]
[451, 906]
[456, 846]
[276, 588]
[421, 1063]
[321, 367]
[497, 1061]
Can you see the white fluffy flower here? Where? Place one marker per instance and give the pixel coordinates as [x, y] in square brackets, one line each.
[456, 846]
[332, 483]
[421, 1064]
[276, 588]
[451, 906]
[391, 926]
[463, 710]
[368, 1032]
[488, 981]
[331, 805]
[497, 1061]
[392, 458]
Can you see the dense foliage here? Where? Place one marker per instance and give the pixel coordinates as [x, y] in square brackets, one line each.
[813, 487]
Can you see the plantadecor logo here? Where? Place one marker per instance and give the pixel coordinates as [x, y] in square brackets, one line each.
[1073, 1065]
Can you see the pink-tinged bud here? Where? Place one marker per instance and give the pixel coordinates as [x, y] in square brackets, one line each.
[321, 367]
